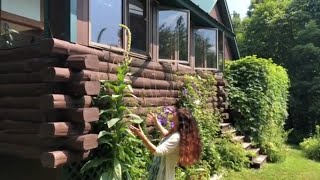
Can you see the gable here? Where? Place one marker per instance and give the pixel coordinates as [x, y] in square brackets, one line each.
[205, 5]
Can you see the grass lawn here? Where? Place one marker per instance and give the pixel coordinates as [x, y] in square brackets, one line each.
[295, 167]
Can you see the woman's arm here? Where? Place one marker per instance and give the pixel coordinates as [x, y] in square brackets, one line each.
[153, 118]
[151, 147]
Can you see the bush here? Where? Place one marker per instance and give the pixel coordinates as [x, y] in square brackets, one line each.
[258, 94]
[217, 152]
[311, 146]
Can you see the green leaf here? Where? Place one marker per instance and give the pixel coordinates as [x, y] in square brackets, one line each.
[117, 169]
[103, 133]
[109, 175]
[92, 164]
[112, 122]
[129, 87]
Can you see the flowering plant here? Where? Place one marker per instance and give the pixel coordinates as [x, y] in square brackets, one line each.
[164, 115]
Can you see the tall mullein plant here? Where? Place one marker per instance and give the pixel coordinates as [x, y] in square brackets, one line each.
[116, 152]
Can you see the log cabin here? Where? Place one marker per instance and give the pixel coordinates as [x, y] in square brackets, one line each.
[53, 53]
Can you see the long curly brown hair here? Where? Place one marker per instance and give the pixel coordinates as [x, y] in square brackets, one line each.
[190, 141]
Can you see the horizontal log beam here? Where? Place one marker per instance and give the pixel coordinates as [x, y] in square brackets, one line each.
[28, 152]
[83, 142]
[60, 101]
[62, 129]
[8, 126]
[28, 65]
[77, 115]
[56, 159]
[85, 61]
[66, 75]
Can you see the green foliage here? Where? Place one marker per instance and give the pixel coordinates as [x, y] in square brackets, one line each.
[217, 152]
[258, 93]
[119, 155]
[288, 32]
[311, 146]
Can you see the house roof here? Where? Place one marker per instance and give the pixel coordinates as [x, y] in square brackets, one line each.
[204, 19]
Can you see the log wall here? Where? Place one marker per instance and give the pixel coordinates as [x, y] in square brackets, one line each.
[46, 95]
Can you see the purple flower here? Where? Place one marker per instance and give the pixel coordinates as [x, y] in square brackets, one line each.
[163, 120]
[168, 110]
[184, 91]
[172, 124]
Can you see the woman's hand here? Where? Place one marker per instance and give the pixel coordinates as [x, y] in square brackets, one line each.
[137, 131]
[152, 118]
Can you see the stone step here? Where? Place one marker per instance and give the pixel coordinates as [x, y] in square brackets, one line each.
[238, 139]
[231, 132]
[254, 150]
[246, 145]
[225, 126]
[259, 161]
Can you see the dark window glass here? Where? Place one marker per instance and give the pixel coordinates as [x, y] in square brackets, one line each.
[173, 35]
[205, 48]
[105, 17]
[137, 24]
[221, 51]
[21, 22]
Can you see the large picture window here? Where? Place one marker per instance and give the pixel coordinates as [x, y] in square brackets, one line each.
[105, 17]
[173, 35]
[205, 42]
[21, 22]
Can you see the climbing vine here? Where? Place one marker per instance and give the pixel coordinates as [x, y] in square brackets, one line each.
[218, 152]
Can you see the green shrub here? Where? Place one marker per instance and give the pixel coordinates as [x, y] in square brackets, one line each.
[217, 152]
[311, 146]
[258, 94]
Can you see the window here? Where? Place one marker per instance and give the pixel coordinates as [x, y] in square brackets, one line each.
[105, 17]
[21, 22]
[205, 42]
[221, 51]
[138, 25]
[173, 35]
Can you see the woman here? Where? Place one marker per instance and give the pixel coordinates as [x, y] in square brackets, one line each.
[181, 144]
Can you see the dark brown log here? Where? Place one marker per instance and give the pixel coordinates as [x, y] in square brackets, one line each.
[77, 115]
[155, 93]
[60, 101]
[30, 139]
[8, 126]
[65, 75]
[221, 82]
[81, 115]
[18, 78]
[20, 102]
[28, 152]
[29, 89]
[83, 88]
[28, 65]
[146, 110]
[225, 115]
[138, 72]
[62, 129]
[85, 61]
[56, 159]
[150, 102]
[224, 105]
[83, 142]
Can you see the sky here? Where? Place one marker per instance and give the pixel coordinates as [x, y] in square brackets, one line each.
[240, 6]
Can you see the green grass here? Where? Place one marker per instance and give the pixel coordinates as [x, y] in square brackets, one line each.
[295, 167]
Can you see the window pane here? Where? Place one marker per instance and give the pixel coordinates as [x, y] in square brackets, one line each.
[105, 17]
[173, 35]
[21, 23]
[137, 21]
[206, 48]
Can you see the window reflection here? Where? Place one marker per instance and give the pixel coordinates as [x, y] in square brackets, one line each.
[205, 48]
[21, 23]
[173, 35]
[105, 17]
[137, 24]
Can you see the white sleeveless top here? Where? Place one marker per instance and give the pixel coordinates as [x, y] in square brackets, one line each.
[169, 150]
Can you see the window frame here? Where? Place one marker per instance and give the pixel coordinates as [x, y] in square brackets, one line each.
[85, 13]
[156, 35]
[194, 47]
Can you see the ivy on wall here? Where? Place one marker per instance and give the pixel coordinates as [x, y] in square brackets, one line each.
[258, 94]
